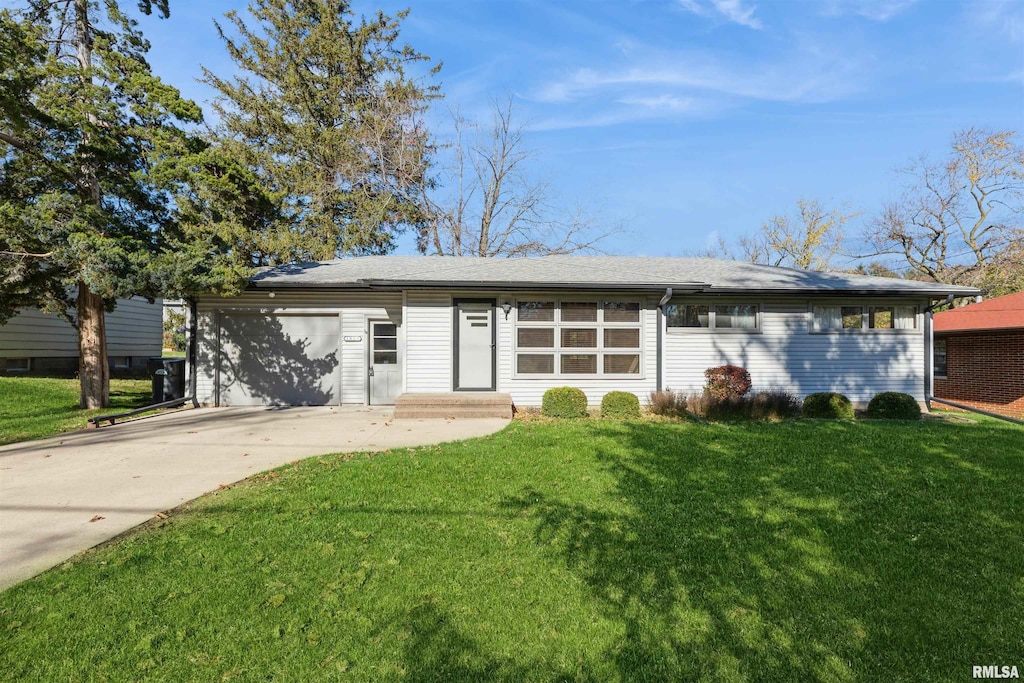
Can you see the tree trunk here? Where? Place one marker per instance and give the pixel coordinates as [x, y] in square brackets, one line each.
[93, 366]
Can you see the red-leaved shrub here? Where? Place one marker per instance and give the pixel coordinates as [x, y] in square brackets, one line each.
[727, 381]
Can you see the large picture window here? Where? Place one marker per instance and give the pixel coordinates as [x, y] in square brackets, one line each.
[740, 317]
[834, 317]
[578, 338]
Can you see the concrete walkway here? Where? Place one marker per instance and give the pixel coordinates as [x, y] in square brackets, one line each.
[63, 495]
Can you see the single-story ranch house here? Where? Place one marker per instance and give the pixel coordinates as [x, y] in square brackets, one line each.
[365, 330]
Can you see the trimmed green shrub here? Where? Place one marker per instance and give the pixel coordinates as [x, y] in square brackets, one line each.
[727, 381]
[620, 405]
[564, 402]
[667, 403]
[892, 405]
[828, 404]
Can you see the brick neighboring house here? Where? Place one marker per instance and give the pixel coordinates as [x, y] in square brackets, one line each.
[979, 355]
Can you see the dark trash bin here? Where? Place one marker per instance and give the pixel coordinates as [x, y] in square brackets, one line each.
[168, 378]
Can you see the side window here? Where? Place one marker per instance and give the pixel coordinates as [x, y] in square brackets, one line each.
[713, 317]
[838, 317]
[939, 358]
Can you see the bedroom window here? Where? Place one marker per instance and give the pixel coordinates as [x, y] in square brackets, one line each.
[738, 317]
[835, 317]
[577, 338]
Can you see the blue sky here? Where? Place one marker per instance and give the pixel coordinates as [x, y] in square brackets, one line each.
[686, 120]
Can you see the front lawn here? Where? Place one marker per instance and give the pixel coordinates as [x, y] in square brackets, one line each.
[595, 550]
[34, 407]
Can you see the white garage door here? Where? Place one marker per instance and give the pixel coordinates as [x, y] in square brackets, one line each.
[279, 360]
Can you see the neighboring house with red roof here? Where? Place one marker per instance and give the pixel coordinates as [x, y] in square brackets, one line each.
[979, 355]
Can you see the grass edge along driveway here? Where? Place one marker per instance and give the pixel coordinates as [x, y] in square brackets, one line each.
[592, 550]
[37, 407]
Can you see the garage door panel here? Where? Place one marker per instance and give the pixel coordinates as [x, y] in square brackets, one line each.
[279, 360]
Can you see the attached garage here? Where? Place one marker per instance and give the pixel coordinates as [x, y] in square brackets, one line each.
[279, 359]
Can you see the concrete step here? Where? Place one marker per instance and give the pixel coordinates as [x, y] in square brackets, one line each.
[433, 413]
[455, 405]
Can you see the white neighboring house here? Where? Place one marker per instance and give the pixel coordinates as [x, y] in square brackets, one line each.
[364, 330]
[37, 342]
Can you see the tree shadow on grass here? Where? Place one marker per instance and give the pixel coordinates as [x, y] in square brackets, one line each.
[798, 552]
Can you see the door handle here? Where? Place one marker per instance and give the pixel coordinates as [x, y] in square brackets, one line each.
[371, 371]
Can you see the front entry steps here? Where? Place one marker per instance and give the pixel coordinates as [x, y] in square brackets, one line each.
[459, 404]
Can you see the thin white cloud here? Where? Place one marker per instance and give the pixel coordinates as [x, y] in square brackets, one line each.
[667, 103]
[875, 10]
[807, 76]
[734, 11]
[999, 17]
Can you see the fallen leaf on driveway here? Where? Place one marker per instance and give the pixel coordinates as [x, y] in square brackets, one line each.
[162, 515]
[96, 519]
[222, 486]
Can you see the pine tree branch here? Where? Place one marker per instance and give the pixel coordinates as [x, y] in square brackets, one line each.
[26, 254]
[13, 141]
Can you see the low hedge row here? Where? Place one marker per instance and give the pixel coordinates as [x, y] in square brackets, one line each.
[570, 402]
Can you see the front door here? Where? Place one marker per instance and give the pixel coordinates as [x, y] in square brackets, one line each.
[385, 368]
[474, 345]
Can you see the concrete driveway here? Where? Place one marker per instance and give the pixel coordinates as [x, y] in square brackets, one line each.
[63, 495]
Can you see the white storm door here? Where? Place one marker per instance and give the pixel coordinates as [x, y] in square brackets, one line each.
[385, 364]
[474, 346]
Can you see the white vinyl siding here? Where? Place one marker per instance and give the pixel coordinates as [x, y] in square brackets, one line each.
[788, 355]
[355, 308]
[429, 338]
[134, 329]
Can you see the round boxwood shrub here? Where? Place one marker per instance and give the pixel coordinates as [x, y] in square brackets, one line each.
[564, 402]
[828, 404]
[892, 405]
[620, 405]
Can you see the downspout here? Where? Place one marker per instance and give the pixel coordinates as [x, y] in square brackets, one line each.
[190, 350]
[929, 349]
[661, 321]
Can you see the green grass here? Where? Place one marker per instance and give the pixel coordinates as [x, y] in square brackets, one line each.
[34, 407]
[591, 550]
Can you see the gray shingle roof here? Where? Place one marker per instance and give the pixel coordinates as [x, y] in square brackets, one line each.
[578, 272]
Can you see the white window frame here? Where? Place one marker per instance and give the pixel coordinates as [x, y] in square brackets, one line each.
[865, 317]
[712, 327]
[557, 351]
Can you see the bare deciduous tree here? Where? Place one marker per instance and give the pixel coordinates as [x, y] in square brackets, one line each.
[493, 207]
[810, 241]
[959, 220]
